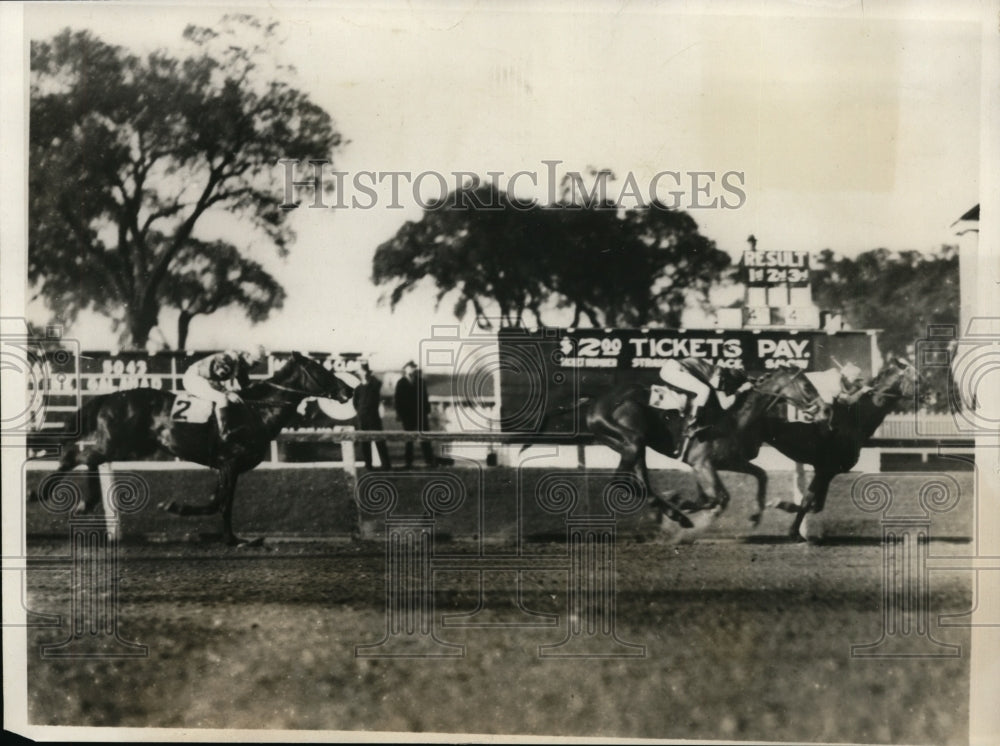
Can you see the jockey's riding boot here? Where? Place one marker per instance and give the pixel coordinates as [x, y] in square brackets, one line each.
[222, 415]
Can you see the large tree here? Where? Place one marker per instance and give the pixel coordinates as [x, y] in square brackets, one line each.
[128, 153]
[474, 244]
[205, 277]
[508, 258]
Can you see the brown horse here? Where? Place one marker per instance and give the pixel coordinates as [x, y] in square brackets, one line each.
[833, 448]
[136, 424]
[623, 420]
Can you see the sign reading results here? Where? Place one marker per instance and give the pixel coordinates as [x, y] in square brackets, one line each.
[635, 349]
[766, 268]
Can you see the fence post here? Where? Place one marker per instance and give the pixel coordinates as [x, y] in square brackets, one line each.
[350, 465]
[106, 476]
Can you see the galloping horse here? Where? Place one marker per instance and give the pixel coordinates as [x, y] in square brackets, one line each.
[834, 448]
[623, 420]
[137, 423]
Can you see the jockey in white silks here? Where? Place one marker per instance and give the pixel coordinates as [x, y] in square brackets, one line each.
[219, 378]
[843, 383]
[698, 378]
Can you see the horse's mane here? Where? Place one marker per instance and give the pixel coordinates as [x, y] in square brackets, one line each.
[258, 390]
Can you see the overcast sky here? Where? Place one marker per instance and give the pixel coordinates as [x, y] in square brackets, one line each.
[851, 131]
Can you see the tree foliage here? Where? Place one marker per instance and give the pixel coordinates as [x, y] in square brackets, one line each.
[900, 293]
[493, 252]
[205, 277]
[129, 153]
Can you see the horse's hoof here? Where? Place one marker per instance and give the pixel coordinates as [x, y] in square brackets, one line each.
[786, 506]
[246, 543]
[680, 519]
[167, 506]
[755, 520]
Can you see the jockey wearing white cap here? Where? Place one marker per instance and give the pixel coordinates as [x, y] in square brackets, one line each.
[220, 377]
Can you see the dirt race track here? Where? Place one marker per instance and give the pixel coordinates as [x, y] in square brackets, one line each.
[746, 636]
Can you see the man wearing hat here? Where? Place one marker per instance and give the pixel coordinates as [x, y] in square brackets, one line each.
[413, 410]
[367, 398]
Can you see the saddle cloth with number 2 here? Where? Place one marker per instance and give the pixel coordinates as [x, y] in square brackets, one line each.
[189, 408]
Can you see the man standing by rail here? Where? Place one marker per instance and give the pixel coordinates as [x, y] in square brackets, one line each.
[413, 409]
[367, 399]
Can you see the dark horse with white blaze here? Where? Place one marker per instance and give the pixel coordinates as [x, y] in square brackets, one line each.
[623, 420]
[834, 448]
[137, 423]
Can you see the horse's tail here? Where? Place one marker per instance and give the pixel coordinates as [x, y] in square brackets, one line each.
[88, 419]
[557, 412]
[85, 423]
[65, 443]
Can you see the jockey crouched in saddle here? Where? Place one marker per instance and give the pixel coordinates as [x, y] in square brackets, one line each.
[842, 383]
[698, 378]
[219, 378]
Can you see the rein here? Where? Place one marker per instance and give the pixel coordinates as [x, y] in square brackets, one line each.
[289, 389]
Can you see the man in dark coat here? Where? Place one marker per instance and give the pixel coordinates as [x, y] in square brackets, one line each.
[413, 408]
[367, 397]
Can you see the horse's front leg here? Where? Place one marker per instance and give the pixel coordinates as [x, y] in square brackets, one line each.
[721, 493]
[668, 503]
[761, 476]
[705, 482]
[213, 506]
[711, 491]
[227, 492]
[800, 489]
[633, 462]
[813, 502]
